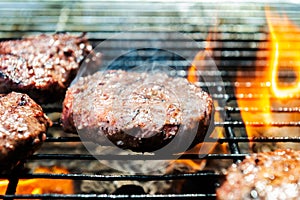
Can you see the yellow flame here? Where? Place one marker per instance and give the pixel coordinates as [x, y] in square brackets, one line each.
[273, 87]
[283, 43]
[198, 64]
[42, 186]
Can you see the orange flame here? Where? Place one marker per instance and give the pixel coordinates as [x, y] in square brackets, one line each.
[274, 84]
[199, 59]
[191, 165]
[197, 65]
[284, 38]
[42, 186]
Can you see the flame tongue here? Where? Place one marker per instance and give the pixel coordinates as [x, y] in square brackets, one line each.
[199, 60]
[42, 186]
[200, 63]
[278, 81]
[285, 54]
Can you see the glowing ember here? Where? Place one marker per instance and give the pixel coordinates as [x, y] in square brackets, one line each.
[275, 85]
[42, 186]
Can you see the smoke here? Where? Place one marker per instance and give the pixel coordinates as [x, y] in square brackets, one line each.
[164, 52]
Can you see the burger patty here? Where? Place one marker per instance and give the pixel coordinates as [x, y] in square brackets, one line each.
[138, 111]
[23, 127]
[269, 175]
[41, 66]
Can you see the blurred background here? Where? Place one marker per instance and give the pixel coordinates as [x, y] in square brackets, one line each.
[103, 18]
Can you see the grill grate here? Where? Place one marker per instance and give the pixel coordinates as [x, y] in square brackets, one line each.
[240, 33]
[230, 138]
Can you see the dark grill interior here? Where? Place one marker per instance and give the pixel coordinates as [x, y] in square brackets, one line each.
[238, 30]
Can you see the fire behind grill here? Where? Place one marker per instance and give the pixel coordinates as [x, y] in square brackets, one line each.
[235, 48]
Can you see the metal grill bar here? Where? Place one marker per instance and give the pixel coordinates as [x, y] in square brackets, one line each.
[235, 123]
[257, 124]
[233, 145]
[211, 139]
[101, 18]
[253, 97]
[94, 177]
[229, 109]
[111, 196]
[13, 180]
[134, 157]
[241, 30]
[254, 109]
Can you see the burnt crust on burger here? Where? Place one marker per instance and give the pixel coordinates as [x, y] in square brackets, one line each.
[142, 112]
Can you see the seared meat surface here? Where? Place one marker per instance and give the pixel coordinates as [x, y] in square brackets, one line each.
[138, 111]
[23, 127]
[268, 175]
[41, 66]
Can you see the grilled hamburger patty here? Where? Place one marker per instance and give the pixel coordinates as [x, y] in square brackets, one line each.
[41, 66]
[138, 111]
[23, 127]
[269, 175]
